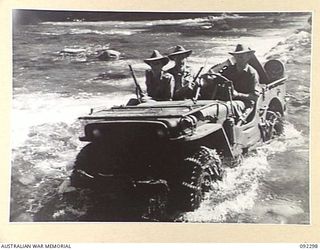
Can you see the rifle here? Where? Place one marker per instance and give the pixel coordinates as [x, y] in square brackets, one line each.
[198, 85]
[139, 91]
[230, 89]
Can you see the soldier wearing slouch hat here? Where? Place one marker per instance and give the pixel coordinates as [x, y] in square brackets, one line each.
[183, 73]
[160, 84]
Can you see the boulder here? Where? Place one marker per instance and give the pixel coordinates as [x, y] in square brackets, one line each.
[109, 54]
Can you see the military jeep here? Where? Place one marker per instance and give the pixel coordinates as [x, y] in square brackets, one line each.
[169, 153]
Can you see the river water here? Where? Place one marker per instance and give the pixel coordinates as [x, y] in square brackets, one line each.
[51, 90]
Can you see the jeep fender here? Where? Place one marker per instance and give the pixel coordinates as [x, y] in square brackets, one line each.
[276, 106]
[211, 135]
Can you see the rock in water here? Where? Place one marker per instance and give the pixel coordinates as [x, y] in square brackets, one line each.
[27, 179]
[109, 54]
[72, 51]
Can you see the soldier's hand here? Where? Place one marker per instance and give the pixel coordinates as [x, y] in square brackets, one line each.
[146, 98]
[189, 85]
[235, 93]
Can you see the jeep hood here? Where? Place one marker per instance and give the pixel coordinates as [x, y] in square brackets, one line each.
[163, 109]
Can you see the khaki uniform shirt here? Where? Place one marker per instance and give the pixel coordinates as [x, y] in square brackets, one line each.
[245, 81]
[160, 88]
[183, 82]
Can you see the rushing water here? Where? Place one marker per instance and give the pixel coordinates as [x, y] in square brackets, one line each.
[51, 90]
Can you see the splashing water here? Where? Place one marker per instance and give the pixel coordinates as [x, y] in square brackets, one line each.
[235, 194]
[240, 188]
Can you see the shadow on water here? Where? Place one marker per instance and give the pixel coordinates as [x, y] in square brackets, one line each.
[87, 205]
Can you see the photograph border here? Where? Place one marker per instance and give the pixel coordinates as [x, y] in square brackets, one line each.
[155, 232]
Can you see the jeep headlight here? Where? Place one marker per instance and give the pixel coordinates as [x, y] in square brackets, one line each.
[82, 124]
[188, 124]
[161, 132]
[96, 133]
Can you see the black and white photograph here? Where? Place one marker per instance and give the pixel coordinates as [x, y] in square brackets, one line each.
[177, 117]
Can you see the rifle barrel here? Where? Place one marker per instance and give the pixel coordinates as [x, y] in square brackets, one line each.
[139, 91]
[198, 86]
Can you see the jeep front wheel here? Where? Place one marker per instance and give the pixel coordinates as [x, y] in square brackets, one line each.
[202, 169]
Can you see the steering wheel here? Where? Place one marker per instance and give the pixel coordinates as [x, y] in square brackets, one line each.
[219, 76]
[224, 87]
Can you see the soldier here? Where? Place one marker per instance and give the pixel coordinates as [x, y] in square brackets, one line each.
[245, 81]
[244, 77]
[160, 84]
[183, 75]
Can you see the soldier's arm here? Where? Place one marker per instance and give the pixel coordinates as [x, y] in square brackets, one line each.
[147, 96]
[253, 86]
[255, 89]
[168, 91]
[171, 87]
[148, 79]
